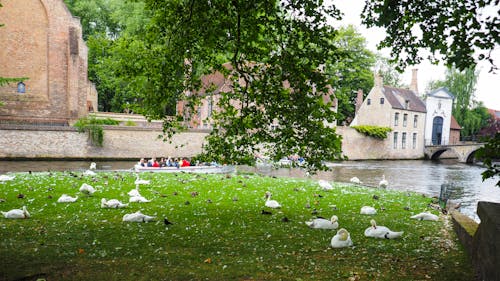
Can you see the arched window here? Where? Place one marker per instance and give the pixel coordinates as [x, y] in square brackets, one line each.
[21, 88]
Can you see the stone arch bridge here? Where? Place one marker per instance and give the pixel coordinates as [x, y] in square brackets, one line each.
[464, 152]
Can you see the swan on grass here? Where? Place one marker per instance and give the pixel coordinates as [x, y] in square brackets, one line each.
[66, 199]
[139, 181]
[325, 185]
[87, 189]
[321, 223]
[383, 183]
[368, 210]
[89, 173]
[342, 239]
[426, 216]
[138, 199]
[138, 217]
[381, 231]
[112, 203]
[134, 192]
[6, 177]
[355, 180]
[17, 213]
[271, 203]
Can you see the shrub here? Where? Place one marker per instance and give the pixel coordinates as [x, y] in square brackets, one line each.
[373, 131]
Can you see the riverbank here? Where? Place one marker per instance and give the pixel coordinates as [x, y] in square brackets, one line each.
[218, 231]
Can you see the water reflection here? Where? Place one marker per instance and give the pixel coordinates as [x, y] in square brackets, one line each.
[421, 176]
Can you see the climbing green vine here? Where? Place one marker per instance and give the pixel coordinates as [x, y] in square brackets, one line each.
[373, 131]
[93, 127]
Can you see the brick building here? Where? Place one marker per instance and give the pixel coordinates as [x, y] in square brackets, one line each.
[42, 41]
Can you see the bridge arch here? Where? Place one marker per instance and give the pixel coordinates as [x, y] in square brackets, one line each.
[464, 152]
[471, 157]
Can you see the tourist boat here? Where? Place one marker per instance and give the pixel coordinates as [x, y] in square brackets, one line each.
[224, 169]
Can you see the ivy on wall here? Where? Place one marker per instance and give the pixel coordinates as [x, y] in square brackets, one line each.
[377, 132]
[93, 127]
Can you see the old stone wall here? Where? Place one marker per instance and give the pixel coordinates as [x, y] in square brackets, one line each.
[119, 143]
[357, 146]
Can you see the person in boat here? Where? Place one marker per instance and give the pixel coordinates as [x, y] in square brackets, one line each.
[169, 162]
[156, 164]
[163, 162]
[176, 163]
[141, 162]
[185, 162]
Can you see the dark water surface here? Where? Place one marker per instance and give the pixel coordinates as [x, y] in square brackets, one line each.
[421, 176]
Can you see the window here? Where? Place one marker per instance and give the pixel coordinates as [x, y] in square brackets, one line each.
[414, 140]
[396, 118]
[395, 140]
[415, 121]
[407, 104]
[403, 140]
[210, 107]
[21, 88]
[368, 101]
[405, 119]
[381, 100]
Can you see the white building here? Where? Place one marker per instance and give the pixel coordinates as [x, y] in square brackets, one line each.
[439, 105]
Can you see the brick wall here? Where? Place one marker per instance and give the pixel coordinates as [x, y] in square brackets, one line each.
[42, 41]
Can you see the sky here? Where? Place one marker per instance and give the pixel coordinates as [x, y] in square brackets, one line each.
[487, 88]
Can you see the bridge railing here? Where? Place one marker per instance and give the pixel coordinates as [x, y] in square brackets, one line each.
[444, 141]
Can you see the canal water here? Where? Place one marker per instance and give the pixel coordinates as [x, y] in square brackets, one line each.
[464, 180]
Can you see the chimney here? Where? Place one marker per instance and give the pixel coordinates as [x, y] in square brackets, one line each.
[377, 80]
[414, 82]
[359, 100]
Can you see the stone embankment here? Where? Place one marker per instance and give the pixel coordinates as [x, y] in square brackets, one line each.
[481, 241]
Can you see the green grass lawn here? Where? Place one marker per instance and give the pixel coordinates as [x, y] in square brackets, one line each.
[218, 231]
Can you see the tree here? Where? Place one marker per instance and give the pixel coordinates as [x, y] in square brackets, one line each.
[490, 151]
[275, 52]
[388, 70]
[457, 30]
[352, 73]
[113, 32]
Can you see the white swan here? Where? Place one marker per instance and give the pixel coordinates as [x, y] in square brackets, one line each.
[87, 189]
[139, 181]
[367, 210]
[383, 183]
[381, 231]
[425, 217]
[89, 173]
[17, 213]
[138, 199]
[341, 239]
[325, 185]
[134, 192]
[112, 203]
[93, 166]
[6, 177]
[324, 223]
[271, 203]
[137, 217]
[355, 180]
[66, 199]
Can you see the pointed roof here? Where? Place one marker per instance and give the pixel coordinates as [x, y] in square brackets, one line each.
[403, 99]
[454, 124]
[442, 92]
